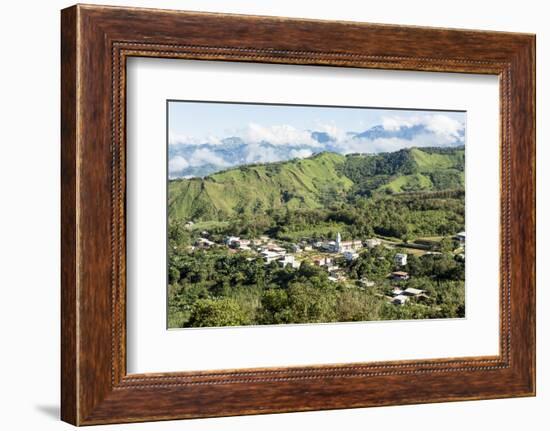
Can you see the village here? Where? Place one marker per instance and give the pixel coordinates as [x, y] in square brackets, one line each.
[327, 254]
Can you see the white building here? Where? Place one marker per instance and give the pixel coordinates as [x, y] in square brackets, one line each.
[400, 259]
[399, 300]
[411, 291]
[340, 246]
[288, 260]
[243, 244]
[322, 261]
[275, 248]
[269, 256]
[397, 291]
[230, 240]
[461, 236]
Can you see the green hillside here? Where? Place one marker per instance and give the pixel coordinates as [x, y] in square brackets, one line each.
[314, 182]
[294, 184]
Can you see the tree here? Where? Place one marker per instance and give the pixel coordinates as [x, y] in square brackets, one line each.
[217, 312]
[446, 245]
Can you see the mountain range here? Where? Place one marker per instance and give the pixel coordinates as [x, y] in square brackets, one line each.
[314, 182]
[192, 159]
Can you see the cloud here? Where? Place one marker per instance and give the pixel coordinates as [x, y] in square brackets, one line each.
[175, 139]
[177, 163]
[445, 126]
[332, 130]
[203, 156]
[265, 144]
[277, 135]
[447, 129]
[300, 154]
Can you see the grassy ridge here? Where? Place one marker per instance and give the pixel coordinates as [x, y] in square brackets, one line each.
[314, 182]
[294, 184]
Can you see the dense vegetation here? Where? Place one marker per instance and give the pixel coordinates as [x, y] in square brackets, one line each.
[411, 198]
[210, 288]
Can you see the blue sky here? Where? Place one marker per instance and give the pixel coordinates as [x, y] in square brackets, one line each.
[198, 133]
[202, 120]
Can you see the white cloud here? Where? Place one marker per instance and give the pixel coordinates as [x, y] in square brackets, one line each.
[332, 130]
[300, 154]
[446, 128]
[203, 156]
[395, 123]
[261, 154]
[175, 139]
[289, 142]
[277, 135]
[177, 163]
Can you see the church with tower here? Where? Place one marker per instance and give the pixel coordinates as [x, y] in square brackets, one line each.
[340, 246]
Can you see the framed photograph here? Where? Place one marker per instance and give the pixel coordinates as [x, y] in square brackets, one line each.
[264, 214]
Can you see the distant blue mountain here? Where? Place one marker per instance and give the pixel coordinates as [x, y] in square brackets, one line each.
[404, 132]
[207, 158]
[322, 137]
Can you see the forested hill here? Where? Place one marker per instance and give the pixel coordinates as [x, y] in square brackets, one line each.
[315, 182]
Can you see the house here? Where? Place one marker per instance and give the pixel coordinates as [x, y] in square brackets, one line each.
[400, 259]
[288, 260]
[373, 242]
[322, 261]
[340, 246]
[461, 236]
[399, 300]
[243, 244]
[400, 275]
[269, 256]
[189, 224]
[350, 255]
[354, 244]
[411, 291]
[275, 248]
[230, 240]
[396, 291]
[401, 296]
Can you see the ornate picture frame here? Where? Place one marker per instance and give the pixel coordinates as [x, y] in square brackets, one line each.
[96, 41]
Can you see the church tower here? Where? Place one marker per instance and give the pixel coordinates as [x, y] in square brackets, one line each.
[338, 242]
